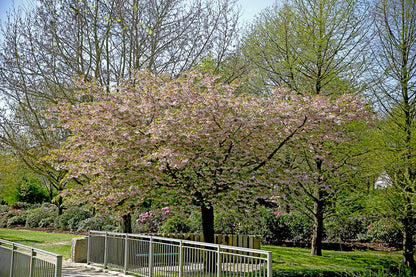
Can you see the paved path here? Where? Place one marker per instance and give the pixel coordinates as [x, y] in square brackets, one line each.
[70, 269]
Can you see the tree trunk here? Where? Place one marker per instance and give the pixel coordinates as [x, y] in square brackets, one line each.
[208, 223]
[208, 231]
[408, 253]
[59, 204]
[318, 224]
[125, 224]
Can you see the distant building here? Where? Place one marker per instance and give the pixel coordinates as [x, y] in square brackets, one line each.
[383, 181]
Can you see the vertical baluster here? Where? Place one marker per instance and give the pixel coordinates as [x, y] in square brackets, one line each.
[89, 248]
[105, 249]
[151, 257]
[269, 264]
[180, 259]
[32, 262]
[126, 254]
[58, 266]
[219, 266]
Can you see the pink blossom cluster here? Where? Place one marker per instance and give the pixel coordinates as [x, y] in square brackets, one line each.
[152, 220]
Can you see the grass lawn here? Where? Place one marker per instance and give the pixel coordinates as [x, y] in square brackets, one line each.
[52, 242]
[289, 259]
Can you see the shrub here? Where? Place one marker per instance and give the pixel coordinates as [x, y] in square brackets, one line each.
[31, 191]
[300, 226]
[226, 223]
[194, 222]
[173, 225]
[344, 228]
[279, 226]
[35, 216]
[386, 230]
[70, 219]
[100, 223]
[17, 220]
[47, 222]
[6, 216]
[274, 229]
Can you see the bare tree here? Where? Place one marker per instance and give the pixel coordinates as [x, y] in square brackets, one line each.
[44, 49]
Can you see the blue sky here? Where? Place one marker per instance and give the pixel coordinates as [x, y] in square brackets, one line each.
[250, 8]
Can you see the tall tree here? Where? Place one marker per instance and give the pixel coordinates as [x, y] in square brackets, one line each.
[394, 86]
[314, 47]
[43, 49]
[193, 136]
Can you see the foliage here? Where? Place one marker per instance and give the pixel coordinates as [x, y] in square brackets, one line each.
[98, 223]
[70, 218]
[387, 230]
[174, 131]
[9, 214]
[226, 222]
[175, 225]
[40, 217]
[30, 190]
[278, 227]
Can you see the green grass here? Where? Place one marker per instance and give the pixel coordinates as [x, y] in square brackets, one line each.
[289, 259]
[52, 242]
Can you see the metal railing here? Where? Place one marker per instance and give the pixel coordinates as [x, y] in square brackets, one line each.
[150, 256]
[17, 260]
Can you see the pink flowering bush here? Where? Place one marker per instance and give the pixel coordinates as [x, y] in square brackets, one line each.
[152, 221]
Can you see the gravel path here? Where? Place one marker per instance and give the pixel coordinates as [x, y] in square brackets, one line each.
[70, 269]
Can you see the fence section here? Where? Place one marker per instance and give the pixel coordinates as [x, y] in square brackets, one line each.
[17, 260]
[149, 256]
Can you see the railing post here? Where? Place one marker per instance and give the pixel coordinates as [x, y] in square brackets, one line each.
[151, 257]
[12, 260]
[89, 248]
[180, 259]
[126, 254]
[105, 250]
[269, 264]
[58, 266]
[219, 266]
[32, 262]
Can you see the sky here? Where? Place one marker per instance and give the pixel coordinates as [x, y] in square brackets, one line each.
[250, 8]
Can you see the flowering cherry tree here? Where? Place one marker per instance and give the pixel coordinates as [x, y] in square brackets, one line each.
[192, 136]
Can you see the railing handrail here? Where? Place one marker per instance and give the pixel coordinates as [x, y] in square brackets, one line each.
[2, 241]
[222, 246]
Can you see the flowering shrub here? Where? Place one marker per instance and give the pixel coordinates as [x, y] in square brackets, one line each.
[8, 216]
[151, 221]
[387, 230]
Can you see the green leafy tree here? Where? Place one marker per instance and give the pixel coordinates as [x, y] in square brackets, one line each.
[310, 46]
[313, 48]
[394, 47]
